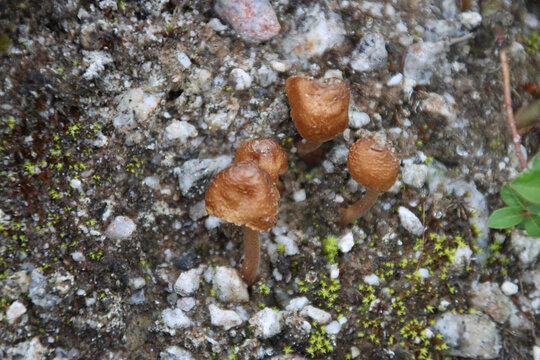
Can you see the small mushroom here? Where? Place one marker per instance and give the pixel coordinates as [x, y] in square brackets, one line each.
[268, 154]
[319, 109]
[245, 195]
[372, 162]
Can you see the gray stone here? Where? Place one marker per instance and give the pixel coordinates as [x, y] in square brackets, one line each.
[175, 353]
[410, 221]
[192, 171]
[526, 247]
[120, 228]
[15, 311]
[422, 60]
[320, 316]
[38, 291]
[316, 31]
[27, 350]
[488, 298]
[175, 319]
[188, 282]
[266, 323]
[470, 336]
[371, 53]
[15, 284]
[229, 286]
[414, 175]
[224, 318]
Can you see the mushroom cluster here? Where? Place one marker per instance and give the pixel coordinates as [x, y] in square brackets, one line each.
[246, 195]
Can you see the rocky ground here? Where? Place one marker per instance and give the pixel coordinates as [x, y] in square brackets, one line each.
[116, 116]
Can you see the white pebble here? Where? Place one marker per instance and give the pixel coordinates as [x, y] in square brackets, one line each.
[395, 80]
[186, 303]
[320, 316]
[212, 222]
[424, 273]
[121, 228]
[183, 59]
[229, 286]
[509, 288]
[181, 130]
[137, 283]
[536, 352]
[266, 323]
[372, 280]
[15, 311]
[188, 282]
[346, 242]
[289, 245]
[470, 19]
[224, 318]
[297, 304]
[410, 222]
[175, 319]
[414, 175]
[241, 79]
[77, 256]
[332, 328]
[299, 195]
[358, 119]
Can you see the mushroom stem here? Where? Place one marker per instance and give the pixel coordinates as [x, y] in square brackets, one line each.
[250, 266]
[358, 208]
[306, 147]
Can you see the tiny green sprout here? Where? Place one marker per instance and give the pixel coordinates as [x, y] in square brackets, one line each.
[287, 349]
[10, 122]
[263, 289]
[281, 248]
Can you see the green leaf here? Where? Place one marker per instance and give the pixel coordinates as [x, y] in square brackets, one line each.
[505, 218]
[511, 197]
[533, 209]
[528, 185]
[532, 225]
[536, 162]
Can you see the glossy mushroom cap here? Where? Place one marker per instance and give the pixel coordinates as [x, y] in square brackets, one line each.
[373, 162]
[319, 108]
[244, 194]
[268, 154]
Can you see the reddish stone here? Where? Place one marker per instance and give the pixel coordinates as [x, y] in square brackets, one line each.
[254, 20]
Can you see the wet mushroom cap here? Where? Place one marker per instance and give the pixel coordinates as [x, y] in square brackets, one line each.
[373, 162]
[269, 155]
[319, 108]
[244, 194]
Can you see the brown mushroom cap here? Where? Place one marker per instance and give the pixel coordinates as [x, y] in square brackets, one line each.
[319, 108]
[269, 155]
[244, 194]
[373, 162]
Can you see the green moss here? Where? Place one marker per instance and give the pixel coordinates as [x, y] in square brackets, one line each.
[330, 248]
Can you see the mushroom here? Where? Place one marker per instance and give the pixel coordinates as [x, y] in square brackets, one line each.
[319, 109]
[268, 154]
[372, 162]
[245, 195]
